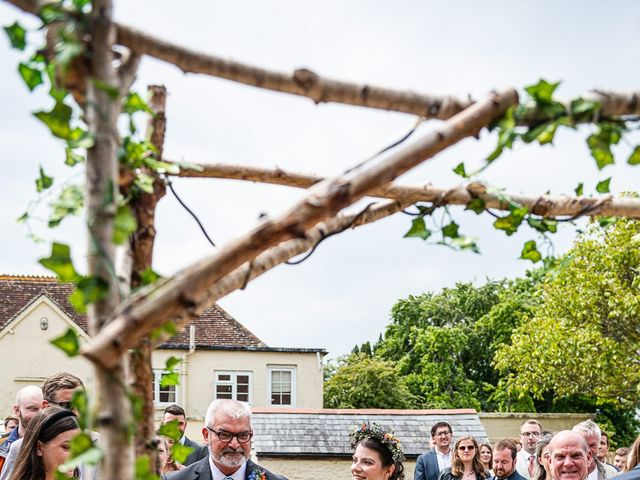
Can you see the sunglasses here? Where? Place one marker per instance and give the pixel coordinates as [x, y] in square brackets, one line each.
[466, 447]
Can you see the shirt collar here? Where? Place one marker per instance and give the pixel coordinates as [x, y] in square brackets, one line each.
[218, 475]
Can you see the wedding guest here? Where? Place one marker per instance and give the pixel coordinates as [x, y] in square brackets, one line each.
[486, 457]
[378, 454]
[543, 458]
[465, 463]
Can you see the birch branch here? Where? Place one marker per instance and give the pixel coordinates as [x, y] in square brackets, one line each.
[543, 205]
[188, 288]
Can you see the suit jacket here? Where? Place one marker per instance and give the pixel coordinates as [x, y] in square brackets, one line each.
[201, 471]
[199, 451]
[427, 467]
[633, 474]
[514, 476]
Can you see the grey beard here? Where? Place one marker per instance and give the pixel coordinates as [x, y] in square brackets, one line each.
[228, 460]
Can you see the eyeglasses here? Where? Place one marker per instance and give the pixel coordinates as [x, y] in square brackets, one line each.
[224, 436]
[466, 447]
[530, 434]
[66, 405]
[442, 434]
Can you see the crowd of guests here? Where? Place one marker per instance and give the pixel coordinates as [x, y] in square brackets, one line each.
[38, 439]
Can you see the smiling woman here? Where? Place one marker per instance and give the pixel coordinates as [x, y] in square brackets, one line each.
[46, 445]
[378, 454]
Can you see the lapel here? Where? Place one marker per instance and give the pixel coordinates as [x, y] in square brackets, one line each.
[251, 467]
[201, 470]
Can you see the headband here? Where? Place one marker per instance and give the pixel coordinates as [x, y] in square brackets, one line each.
[55, 417]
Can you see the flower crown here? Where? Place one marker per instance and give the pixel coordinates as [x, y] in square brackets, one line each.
[381, 434]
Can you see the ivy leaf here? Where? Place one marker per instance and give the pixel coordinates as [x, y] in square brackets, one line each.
[543, 225]
[582, 109]
[476, 205]
[600, 143]
[149, 276]
[80, 138]
[170, 379]
[465, 243]
[51, 13]
[124, 224]
[418, 229]
[542, 92]
[459, 170]
[634, 158]
[506, 138]
[83, 451]
[511, 222]
[70, 202]
[80, 4]
[579, 189]
[134, 103]
[451, 230]
[180, 452]
[32, 76]
[59, 262]
[547, 134]
[170, 429]
[43, 181]
[171, 363]
[603, 186]
[111, 91]
[23, 218]
[17, 36]
[57, 120]
[72, 158]
[80, 403]
[530, 252]
[88, 290]
[68, 343]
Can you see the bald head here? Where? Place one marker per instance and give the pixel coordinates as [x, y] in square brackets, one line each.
[570, 456]
[28, 403]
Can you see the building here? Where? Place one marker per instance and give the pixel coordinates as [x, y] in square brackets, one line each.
[219, 357]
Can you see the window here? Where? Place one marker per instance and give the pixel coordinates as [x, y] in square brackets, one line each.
[234, 385]
[162, 395]
[282, 386]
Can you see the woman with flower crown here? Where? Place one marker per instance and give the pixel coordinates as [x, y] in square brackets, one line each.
[378, 454]
[465, 462]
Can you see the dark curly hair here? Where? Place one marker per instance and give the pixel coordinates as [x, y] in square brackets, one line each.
[373, 437]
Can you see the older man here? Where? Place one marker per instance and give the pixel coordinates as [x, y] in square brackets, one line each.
[430, 464]
[504, 461]
[227, 433]
[29, 401]
[590, 432]
[569, 456]
[530, 432]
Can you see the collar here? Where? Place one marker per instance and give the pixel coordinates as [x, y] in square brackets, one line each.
[218, 475]
[13, 436]
[182, 440]
[448, 454]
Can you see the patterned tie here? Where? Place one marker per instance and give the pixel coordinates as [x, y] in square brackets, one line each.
[532, 466]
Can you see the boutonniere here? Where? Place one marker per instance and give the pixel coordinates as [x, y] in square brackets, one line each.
[257, 474]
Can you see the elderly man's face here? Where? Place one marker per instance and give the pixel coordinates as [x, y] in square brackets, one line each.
[228, 455]
[29, 404]
[570, 458]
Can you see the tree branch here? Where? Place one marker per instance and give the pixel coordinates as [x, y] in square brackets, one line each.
[188, 288]
[543, 205]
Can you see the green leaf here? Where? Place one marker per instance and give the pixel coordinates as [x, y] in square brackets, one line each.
[542, 92]
[171, 363]
[80, 403]
[634, 158]
[43, 182]
[51, 13]
[88, 290]
[451, 230]
[476, 205]
[459, 170]
[111, 91]
[59, 262]
[32, 76]
[582, 109]
[579, 189]
[606, 221]
[80, 138]
[170, 379]
[57, 120]
[124, 224]
[530, 252]
[149, 276]
[23, 218]
[418, 229]
[511, 222]
[17, 36]
[134, 103]
[70, 202]
[180, 452]
[170, 429]
[67, 50]
[600, 143]
[72, 158]
[80, 4]
[144, 182]
[160, 166]
[68, 343]
[506, 138]
[603, 186]
[547, 134]
[465, 243]
[143, 469]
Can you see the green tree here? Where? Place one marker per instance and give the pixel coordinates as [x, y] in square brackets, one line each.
[361, 381]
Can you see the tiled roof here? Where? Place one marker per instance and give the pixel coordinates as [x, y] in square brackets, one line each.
[214, 328]
[325, 432]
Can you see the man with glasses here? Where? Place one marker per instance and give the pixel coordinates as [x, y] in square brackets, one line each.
[530, 433]
[430, 464]
[227, 433]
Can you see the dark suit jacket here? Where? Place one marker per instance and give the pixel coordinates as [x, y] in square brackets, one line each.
[201, 471]
[427, 467]
[633, 474]
[199, 451]
[514, 476]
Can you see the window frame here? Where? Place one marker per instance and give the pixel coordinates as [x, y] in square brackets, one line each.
[157, 376]
[294, 384]
[234, 383]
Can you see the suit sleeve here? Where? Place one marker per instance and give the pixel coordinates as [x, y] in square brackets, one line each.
[420, 473]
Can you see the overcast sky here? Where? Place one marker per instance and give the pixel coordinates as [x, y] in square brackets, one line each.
[343, 294]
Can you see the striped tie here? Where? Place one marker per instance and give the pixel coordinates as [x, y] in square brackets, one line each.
[532, 466]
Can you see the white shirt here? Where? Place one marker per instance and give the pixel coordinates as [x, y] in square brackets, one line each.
[593, 475]
[444, 459]
[218, 475]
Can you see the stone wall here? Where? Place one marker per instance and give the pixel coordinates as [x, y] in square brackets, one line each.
[319, 468]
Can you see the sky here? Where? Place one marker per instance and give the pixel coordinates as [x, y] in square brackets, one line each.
[344, 293]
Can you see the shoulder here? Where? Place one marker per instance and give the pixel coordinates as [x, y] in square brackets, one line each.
[446, 474]
[516, 476]
[191, 443]
[633, 474]
[192, 471]
[253, 467]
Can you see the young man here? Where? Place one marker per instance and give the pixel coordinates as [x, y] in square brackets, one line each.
[504, 461]
[430, 464]
[530, 432]
[175, 413]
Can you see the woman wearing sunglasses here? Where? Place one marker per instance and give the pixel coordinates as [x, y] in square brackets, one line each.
[465, 462]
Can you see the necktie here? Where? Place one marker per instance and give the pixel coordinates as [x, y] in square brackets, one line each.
[532, 466]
